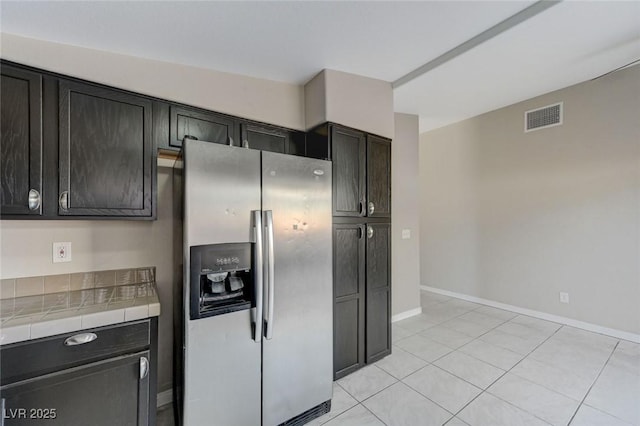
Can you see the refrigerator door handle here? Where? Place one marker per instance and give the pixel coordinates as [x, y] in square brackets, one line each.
[258, 256]
[269, 269]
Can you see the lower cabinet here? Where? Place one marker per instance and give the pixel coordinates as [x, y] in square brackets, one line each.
[362, 295]
[349, 296]
[378, 292]
[109, 380]
[110, 392]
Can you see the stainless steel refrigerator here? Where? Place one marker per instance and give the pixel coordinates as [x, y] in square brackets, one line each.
[256, 223]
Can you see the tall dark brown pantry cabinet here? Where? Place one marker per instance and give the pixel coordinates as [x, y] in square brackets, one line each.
[361, 243]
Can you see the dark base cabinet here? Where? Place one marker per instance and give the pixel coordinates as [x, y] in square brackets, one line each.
[103, 393]
[362, 295]
[349, 293]
[108, 381]
[378, 295]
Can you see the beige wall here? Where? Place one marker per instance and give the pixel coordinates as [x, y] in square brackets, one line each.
[405, 260]
[100, 245]
[516, 218]
[351, 100]
[262, 100]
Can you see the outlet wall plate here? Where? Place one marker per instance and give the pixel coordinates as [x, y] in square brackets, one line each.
[564, 297]
[61, 252]
[406, 234]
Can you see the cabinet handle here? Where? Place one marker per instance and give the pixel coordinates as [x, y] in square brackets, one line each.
[372, 208]
[34, 199]
[63, 201]
[80, 339]
[369, 232]
[144, 367]
[245, 143]
[230, 141]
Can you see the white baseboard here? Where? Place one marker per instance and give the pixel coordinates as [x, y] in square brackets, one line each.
[542, 315]
[406, 314]
[164, 398]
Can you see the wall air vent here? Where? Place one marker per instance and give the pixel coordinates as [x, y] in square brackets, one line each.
[541, 118]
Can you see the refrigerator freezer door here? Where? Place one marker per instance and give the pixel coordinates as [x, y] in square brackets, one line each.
[222, 364]
[221, 356]
[297, 368]
[221, 189]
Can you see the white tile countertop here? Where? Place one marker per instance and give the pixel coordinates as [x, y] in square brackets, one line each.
[42, 315]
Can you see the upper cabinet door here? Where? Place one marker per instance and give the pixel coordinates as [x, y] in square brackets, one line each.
[378, 177]
[201, 125]
[264, 138]
[21, 142]
[348, 156]
[107, 161]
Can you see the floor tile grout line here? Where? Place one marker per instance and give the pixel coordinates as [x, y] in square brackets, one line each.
[486, 390]
[593, 384]
[505, 372]
[341, 412]
[374, 414]
[374, 394]
[392, 384]
[425, 396]
[524, 356]
[561, 326]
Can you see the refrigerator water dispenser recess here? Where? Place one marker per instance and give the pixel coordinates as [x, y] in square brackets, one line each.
[220, 280]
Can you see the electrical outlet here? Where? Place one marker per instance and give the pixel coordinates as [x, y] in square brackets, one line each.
[406, 234]
[61, 252]
[564, 297]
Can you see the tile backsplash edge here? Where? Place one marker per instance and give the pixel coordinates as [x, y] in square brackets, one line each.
[38, 285]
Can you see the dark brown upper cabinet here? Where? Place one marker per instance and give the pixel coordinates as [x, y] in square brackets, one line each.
[361, 171]
[348, 149]
[20, 142]
[107, 163]
[378, 177]
[201, 125]
[264, 138]
[378, 291]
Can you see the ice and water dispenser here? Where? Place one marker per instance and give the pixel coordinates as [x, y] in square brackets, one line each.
[221, 279]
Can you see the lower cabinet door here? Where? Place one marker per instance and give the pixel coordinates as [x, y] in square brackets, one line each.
[110, 392]
[348, 312]
[378, 299]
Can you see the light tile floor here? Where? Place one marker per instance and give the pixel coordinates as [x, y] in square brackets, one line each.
[462, 363]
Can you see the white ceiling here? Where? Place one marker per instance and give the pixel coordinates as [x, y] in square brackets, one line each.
[292, 41]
